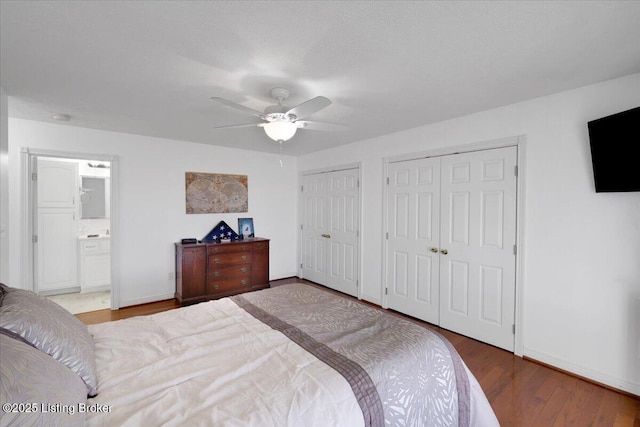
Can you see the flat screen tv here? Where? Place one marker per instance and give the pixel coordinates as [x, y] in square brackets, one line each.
[615, 144]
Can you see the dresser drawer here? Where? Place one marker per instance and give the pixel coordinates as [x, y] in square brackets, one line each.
[234, 272]
[223, 260]
[260, 246]
[227, 248]
[227, 285]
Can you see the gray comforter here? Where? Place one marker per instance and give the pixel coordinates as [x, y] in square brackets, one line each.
[401, 372]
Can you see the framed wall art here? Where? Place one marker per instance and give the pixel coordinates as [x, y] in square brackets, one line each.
[216, 193]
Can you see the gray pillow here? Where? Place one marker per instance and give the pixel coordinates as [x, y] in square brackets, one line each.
[52, 329]
[36, 390]
[3, 290]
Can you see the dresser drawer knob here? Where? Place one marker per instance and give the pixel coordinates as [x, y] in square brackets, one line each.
[244, 257]
[243, 269]
[244, 282]
[217, 273]
[216, 260]
[216, 287]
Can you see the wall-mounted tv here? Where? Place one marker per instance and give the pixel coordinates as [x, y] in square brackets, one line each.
[615, 143]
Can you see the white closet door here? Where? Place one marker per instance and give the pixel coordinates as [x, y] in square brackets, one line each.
[314, 227]
[342, 243]
[478, 234]
[330, 230]
[413, 237]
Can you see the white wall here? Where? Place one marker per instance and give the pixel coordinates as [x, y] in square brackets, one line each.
[4, 188]
[581, 285]
[152, 200]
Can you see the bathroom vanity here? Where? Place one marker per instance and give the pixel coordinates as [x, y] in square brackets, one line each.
[95, 263]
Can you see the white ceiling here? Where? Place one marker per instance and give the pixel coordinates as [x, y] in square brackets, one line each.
[150, 68]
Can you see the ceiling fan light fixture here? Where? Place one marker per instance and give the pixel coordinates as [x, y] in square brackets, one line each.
[280, 130]
[280, 122]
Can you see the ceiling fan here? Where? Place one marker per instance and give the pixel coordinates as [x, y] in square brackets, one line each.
[280, 122]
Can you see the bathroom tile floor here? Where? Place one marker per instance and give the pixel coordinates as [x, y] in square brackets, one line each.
[82, 303]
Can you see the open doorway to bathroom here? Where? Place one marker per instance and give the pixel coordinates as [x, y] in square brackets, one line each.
[71, 227]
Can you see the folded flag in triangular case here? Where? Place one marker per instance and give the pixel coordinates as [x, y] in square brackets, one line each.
[220, 232]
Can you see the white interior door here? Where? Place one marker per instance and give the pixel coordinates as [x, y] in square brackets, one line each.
[413, 215]
[478, 237]
[330, 229]
[342, 243]
[57, 225]
[314, 227]
[451, 224]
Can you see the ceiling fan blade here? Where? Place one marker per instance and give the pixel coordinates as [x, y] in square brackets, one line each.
[309, 107]
[247, 125]
[321, 125]
[238, 107]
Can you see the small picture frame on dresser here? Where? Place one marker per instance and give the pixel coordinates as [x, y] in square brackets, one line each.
[245, 228]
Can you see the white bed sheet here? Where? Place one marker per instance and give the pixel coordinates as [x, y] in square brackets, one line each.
[213, 364]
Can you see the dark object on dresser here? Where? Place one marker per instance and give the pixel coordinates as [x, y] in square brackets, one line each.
[207, 271]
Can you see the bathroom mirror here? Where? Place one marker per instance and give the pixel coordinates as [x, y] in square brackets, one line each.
[93, 198]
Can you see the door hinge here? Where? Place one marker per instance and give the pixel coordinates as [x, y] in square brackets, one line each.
[301, 266]
[302, 188]
[515, 249]
[513, 328]
[34, 176]
[387, 180]
[301, 227]
[34, 238]
[386, 291]
[387, 235]
[515, 170]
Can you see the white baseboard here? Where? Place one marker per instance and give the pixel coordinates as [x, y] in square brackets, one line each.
[284, 276]
[146, 300]
[623, 384]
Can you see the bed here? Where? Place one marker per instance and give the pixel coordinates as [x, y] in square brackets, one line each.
[292, 355]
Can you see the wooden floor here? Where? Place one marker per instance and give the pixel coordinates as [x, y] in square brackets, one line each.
[107, 315]
[521, 392]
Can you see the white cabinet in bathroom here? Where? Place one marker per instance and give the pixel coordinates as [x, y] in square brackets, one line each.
[55, 231]
[95, 264]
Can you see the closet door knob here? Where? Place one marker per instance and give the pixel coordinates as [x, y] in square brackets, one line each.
[444, 252]
[434, 250]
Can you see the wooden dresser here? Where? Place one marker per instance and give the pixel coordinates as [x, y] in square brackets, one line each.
[207, 271]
